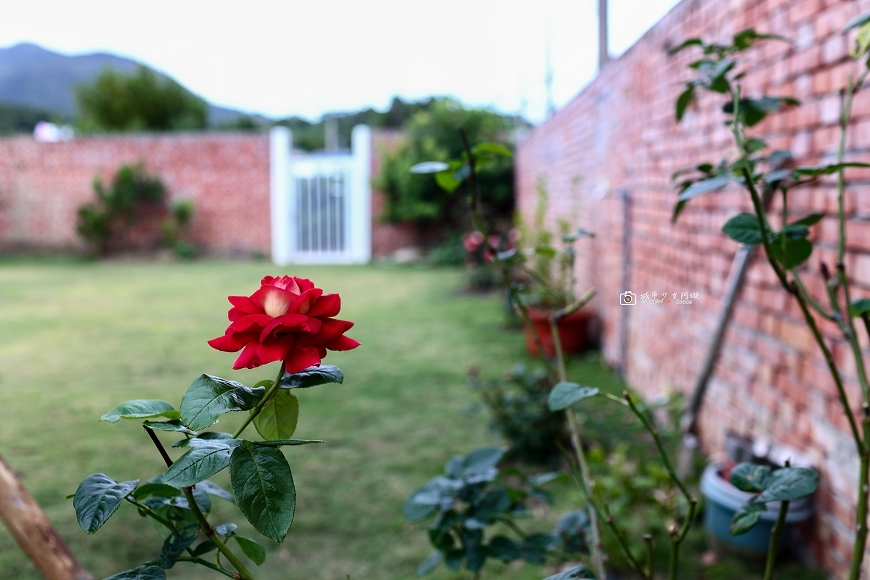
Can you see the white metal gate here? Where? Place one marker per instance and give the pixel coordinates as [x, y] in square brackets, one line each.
[321, 203]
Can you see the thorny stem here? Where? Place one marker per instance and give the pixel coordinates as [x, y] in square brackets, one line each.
[597, 556]
[677, 536]
[266, 398]
[773, 544]
[603, 515]
[213, 536]
[812, 302]
[200, 517]
[474, 209]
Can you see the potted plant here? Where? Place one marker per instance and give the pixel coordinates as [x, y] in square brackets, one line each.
[546, 274]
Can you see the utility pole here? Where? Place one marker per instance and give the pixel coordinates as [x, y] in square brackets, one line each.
[603, 54]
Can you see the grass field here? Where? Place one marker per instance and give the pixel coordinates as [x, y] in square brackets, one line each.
[78, 338]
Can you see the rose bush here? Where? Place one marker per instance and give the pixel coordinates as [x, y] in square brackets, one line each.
[286, 319]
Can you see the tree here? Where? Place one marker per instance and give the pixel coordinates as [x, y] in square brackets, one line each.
[142, 101]
[432, 135]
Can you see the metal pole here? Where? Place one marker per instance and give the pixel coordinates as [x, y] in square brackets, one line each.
[603, 53]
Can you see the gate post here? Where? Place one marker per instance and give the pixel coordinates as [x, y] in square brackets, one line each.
[361, 195]
[280, 150]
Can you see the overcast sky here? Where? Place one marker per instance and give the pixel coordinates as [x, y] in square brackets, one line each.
[306, 58]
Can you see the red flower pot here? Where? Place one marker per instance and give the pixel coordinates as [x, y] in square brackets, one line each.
[573, 331]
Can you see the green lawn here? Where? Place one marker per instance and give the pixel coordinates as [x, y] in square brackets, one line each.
[77, 338]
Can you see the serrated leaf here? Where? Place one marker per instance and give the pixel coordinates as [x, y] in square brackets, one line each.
[204, 547]
[746, 518]
[789, 483]
[429, 167]
[565, 394]
[428, 564]
[580, 571]
[312, 377]
[97, 498]
[263, 487]
[743, 228]
[175, 426]
[481, 462]
[749, 476]
[704, 186]
[141, 409]
[277, 419]
[418, 506]
[210, 397]
[859, 307]
[203, 460]
[175, 545]
[140, 573]
[252, 549]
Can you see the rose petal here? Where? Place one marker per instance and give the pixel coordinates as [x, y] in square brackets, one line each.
[289, 324]
[304, 301]
[326, 306]
[330, 330]
[343, 343]
[257, 354]
[304, 284]
[300, 358]
[232, 342]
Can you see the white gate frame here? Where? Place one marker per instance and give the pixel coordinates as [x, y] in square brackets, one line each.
[283, 201]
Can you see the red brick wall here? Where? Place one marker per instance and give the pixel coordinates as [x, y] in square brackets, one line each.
[226, 175]
[619, 134]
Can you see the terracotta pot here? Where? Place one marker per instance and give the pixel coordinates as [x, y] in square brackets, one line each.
[573, 331]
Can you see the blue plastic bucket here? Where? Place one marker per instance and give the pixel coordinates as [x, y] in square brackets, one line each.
[722, 502]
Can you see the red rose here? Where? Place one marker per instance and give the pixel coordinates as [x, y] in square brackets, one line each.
[286, 319]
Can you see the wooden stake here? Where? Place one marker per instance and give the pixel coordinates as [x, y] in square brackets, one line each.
[34, 533]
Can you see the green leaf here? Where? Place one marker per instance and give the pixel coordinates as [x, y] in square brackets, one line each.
[684, 100]
[791, 253]
[810, 220]
[817, 170]
[753, 111]
[429, 167]
[859, 307]
[565, 394]
[480, 464]
[174, 425]
[749, 476]
[97, 498]
[704, 186]
[580, 571]
[447, 181]
[286, 442]
[312, 377]
[263, 488]
[415, 510]
[743, 228]
[546, 251]
[492, 149]
[685, 44]
[252, 549]
[203, 460]
[789, 483]
[215, 490]
[141, 573]
[755, 144]
[141, 409]
[210, 397]
[428, 564]
[277, 419]
[746, 518]
[204, 547]
[155, 490]
[857, 21]
[453, 560]
[175, 545]
[504, 549]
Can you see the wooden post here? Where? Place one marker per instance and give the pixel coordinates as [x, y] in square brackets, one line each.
[34, 533]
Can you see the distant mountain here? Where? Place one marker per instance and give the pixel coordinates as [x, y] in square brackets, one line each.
[34, 77]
